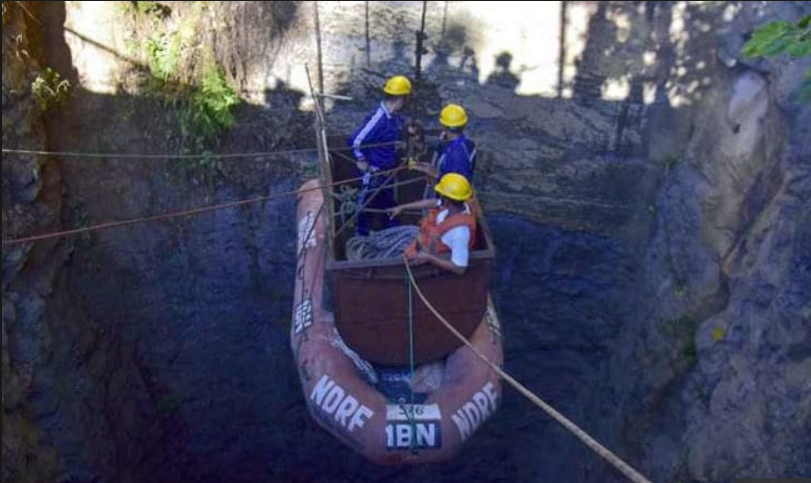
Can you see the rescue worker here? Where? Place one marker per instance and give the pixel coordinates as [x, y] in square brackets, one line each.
[457, 153]
[450, 227]
[374, 146]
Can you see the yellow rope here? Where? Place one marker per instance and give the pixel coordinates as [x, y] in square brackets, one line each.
[601, 450]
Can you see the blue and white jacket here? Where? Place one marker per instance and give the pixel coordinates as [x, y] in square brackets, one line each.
[381, 126]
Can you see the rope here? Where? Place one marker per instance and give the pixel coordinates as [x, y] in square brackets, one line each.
[166, 216]
[388, 243]
[595, 446]
[347, 201]
[344, 156]
[411, 418]
[259, 154]
[348, 196]
[371, 197]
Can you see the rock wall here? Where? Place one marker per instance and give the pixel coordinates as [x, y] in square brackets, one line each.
[713, 355]
[75, 404]
[725, 263]
[31, 201]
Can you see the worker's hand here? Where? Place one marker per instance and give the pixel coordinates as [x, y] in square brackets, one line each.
[420, 258]
[363, 166]
[395, 212]
[414, 128]
[421, 167]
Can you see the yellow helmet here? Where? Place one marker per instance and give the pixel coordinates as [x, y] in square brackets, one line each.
[454, 186]
[398, 85]
[453, 116]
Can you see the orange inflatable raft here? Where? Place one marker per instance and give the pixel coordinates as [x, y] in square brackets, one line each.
[390, 415]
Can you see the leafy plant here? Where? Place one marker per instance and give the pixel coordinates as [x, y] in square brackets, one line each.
[49, 89]
[200, 99]
[779, 38]
[208, 111]
[163, 55]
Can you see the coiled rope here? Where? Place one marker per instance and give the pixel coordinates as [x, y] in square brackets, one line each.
[388, 243]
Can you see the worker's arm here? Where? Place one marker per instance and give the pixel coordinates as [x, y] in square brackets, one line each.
[426, 168]
[458, 240]
[440, 262]
[414, 205]
[367, 134]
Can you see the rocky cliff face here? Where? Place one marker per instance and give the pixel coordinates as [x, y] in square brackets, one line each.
[647, 189]
[31, 202]
[74, 397]
[725, 263]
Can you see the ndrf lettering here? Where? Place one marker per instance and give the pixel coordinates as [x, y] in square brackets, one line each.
[476, 411]
[334, 401]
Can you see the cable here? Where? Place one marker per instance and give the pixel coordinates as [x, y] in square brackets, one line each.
[595, 446]
[411, 415]
[260, 154]
[166, 216]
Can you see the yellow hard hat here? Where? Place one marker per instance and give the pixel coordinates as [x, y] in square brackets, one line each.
[453, 115]
[454, 186]
[398, 86]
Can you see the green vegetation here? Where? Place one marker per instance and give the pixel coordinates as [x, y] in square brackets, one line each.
[49, 89]
[207, 111]
[688, 352]
[155, 9]
[202, 99]
[779, 38]
[163, 55]
[185, 80]
[682, 332]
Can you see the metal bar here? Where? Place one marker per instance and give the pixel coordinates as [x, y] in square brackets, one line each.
[319, 55]
[324, 165]
[334, 96]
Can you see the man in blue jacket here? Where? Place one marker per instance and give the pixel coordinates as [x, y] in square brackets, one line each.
[374, 146]
[457, 153]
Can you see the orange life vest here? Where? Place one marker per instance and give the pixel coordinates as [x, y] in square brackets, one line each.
[430, 236]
